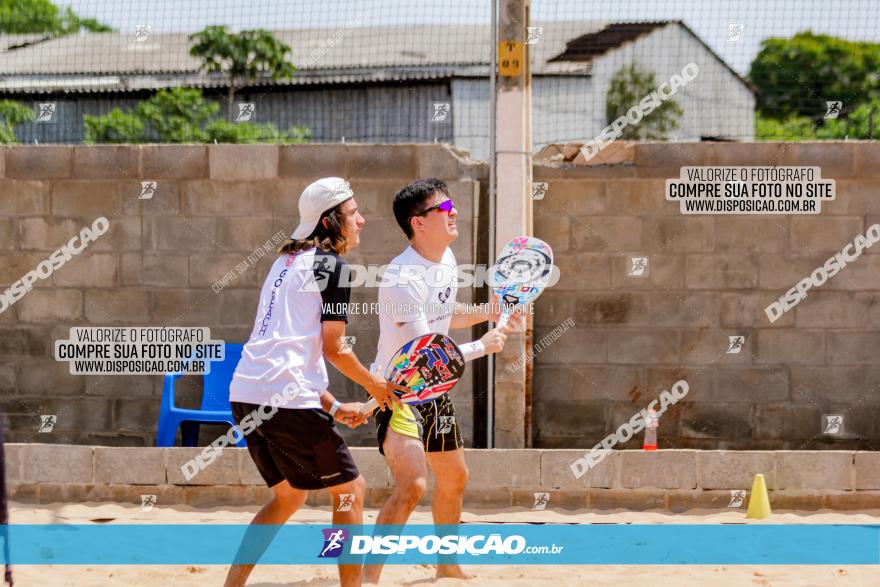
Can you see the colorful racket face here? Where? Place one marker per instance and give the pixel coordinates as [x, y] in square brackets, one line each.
[428, 366]
[521, 272]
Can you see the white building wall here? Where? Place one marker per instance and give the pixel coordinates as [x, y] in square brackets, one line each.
[715, 104]
[470, 116]
[560, 112]
[572, 108]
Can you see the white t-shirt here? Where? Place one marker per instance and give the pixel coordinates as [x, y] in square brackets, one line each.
[285, 345]
[427, 293]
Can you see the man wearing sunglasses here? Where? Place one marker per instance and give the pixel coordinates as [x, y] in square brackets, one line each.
[418, 297]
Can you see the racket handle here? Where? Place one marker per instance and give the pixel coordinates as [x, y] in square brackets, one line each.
[505, 318]
[368, 407]
[371, 405]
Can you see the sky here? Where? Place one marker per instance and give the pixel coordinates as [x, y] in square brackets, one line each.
[857, 20]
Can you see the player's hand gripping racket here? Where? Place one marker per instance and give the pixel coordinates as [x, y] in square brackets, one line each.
[521, 273]
[428, 366]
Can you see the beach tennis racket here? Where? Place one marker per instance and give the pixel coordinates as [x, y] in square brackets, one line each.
[521, 273]
[427, 366]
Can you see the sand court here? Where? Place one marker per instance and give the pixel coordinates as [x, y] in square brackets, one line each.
[414, 575]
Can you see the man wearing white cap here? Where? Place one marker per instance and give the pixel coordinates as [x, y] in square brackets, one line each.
[300, 322]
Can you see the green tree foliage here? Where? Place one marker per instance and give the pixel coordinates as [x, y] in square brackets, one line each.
[796, 76]
[224, 131]
[114, 127]
[793, 128]
[182, 115]
[244, 57]
[864, 122]
[41, 16]
[73, 23]
[629, 85]
[861, 123]
[177, 115]
[12, 114]
[170, 116]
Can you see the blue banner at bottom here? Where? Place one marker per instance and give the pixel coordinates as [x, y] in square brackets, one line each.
[473, 544]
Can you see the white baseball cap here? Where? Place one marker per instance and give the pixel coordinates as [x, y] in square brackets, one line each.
[320, 196]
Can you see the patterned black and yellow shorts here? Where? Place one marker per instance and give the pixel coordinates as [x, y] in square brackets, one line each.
[433, 423]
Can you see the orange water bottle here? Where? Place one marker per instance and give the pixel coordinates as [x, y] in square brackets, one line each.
[652, 422]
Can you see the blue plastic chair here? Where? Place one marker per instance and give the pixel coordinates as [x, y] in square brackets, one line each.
[215, 403]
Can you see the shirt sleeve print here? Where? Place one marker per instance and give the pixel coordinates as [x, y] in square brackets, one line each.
[331, 276]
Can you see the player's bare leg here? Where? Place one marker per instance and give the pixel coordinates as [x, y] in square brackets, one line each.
[284, 503]
[406, 458]
[349, 575]
[451, 473]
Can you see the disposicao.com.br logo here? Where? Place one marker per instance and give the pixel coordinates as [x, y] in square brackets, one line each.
[431, 544]
[334, 542]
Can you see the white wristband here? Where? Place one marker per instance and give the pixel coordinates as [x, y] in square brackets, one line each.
[334, 407]
[472, 350]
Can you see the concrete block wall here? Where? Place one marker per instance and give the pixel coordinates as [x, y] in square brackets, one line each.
[213, 206]
[670, 480]
[710, 277]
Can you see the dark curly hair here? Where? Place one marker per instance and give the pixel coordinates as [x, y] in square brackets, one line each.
[328, 239]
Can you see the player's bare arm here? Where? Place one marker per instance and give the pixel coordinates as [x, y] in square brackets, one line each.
[341, 357]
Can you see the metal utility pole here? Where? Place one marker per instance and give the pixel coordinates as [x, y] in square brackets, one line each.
[512, 211]
[493, 69]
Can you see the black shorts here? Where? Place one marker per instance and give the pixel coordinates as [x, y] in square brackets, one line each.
[437, 425]
[301, 446]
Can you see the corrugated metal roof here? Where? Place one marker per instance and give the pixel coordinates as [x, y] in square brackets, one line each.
[591, 45]
[314, 50]
[102, 62]
[586, 47]
[10, 41]
[84, 83]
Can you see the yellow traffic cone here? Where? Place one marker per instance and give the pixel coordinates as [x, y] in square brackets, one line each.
[759, 501]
